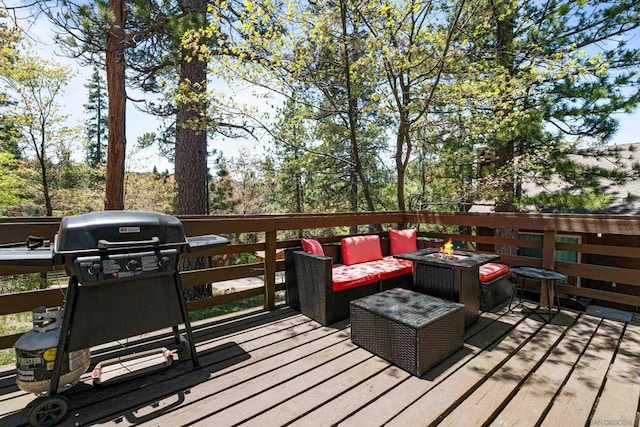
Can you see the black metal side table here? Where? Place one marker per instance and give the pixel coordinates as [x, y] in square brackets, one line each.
[548, 292]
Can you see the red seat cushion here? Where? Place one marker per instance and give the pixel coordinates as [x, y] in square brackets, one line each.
[492, 270]
[350, 276]
[403, 241]
[312, 246]
[390, 267]
[358, 249]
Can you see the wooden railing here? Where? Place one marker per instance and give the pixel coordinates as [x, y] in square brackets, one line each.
[608, 269]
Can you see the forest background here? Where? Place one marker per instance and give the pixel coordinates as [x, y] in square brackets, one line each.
[357, 105]
[374, 105]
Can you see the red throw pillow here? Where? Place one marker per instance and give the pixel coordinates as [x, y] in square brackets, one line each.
[403, 241]
[312, 246]
[359, 249]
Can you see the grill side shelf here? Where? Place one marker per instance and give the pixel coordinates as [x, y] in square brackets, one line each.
[201, 243]
[23, 257]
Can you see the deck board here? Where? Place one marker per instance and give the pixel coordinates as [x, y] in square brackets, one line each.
[310, 390]
[618, 403]
[438, 401]
[333, 412]
[480, 336]
[533, 398]
[339, 407]
[486, 400]
[573, 404]
[281, 368]
[239, 379]
[252, 397]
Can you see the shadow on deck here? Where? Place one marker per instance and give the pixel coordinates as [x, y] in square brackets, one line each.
[275, 368]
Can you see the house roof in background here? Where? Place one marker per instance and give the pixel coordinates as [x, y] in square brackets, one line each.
[625, 197]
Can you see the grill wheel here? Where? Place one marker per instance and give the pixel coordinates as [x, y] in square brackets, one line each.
[48, 411]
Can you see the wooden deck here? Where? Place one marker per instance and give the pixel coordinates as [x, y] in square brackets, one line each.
[279, 368]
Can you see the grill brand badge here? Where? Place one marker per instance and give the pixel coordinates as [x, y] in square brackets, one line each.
[124, 230]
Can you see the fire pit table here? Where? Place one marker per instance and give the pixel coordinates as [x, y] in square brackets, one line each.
[454, 276]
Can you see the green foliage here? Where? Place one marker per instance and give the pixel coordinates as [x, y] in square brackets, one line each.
[290, 136]
[96, 124]
[450, 75]
[9, 181]
[36, 84]
[23, 283]
[564, 201]
[148, 191]
[9, 38]
[13, 324]
[530, 95]
[245, 258]
[383, 98]
[327, 136]
[239, 185]
[221, 188]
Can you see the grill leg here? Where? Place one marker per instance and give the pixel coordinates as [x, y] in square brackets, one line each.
[187, 324]
[69, 309]
[176, 334]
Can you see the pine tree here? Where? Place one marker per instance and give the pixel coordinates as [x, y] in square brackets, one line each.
[551, 78]
[221, 192]
[96, 123]
[9, 38]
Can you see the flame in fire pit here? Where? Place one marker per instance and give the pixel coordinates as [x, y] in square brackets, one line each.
[447, 248]
[446, 252]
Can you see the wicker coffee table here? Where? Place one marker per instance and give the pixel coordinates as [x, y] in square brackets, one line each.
[411, 330]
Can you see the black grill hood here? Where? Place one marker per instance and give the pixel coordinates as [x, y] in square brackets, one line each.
[107, 229]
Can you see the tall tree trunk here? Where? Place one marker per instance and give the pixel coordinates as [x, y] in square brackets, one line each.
[353, 197]
[191, 132]
[299, 199]
[352, 104]
[505, 151]
[43, 174]
[99, 134]
[403, 139]
[116, 151]
[402, 156]
[191, 141]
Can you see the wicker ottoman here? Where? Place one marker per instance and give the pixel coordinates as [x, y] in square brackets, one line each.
[411, 330]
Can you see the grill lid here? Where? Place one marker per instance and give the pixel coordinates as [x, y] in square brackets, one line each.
[117, 229]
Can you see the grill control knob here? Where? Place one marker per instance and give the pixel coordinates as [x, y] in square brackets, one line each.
[162, 262]
[95, 269]
[133, 265]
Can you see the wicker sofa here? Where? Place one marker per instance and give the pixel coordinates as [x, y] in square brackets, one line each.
[324, 285]
[309, 281]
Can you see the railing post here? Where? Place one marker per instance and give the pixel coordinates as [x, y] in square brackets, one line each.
[549, 249]
[270, 270]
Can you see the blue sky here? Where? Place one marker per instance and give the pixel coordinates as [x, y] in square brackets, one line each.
[139, 123]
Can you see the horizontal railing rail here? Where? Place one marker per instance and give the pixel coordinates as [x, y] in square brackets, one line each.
[609, 248]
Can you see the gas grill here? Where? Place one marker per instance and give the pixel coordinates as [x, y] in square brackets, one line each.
[123, 282]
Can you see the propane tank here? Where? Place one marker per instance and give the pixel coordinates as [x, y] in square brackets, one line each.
[36, 354]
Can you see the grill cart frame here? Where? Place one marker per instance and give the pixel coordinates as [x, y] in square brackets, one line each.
[123, 281]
